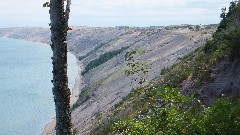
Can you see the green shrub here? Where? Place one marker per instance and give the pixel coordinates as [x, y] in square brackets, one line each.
[233, 42]
[170, 112]
[210, 46]
[164, 71]
[221, 118]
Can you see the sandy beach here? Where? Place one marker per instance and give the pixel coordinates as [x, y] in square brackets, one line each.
[49, 128]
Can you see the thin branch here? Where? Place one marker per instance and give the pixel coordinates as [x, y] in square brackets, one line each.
[67, 11]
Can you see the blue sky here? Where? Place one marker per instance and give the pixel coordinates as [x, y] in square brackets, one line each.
[17, 13]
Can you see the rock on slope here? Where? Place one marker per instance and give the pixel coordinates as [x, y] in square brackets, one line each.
[106, 84]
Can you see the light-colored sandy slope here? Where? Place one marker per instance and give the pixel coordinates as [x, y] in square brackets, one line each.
[107, 82]
[161, 49]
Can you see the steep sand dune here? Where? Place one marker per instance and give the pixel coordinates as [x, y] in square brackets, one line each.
[107, 84]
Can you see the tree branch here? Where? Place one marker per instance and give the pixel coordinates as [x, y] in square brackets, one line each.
[67, 11]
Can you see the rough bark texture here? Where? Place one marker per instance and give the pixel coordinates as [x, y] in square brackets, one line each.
[60, 89]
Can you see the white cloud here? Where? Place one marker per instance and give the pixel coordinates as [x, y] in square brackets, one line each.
[164, 11]
[115, 12]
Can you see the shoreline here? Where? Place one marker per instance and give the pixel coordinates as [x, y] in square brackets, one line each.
[27, 40]
[48, 129]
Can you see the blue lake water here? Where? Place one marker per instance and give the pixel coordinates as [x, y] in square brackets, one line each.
[26, 100]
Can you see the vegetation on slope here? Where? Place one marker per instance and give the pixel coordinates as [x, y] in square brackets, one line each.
[89, 53]
[102, 59]
[94, 50]
[161, 108]
[86, 92]
[101, 45]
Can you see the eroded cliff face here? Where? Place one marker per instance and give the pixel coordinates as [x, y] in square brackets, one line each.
[107, 84]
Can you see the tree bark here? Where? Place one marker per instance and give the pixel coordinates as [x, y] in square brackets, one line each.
[60, 88]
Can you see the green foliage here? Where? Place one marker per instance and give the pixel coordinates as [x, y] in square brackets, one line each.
[87, 91]
[110, 42]
[103, 128]
[164, 71]
[210, 46]
[233, 42]
[102, 59]
[46, 4]
[232, 9]
[98, 115]
[170, 112]
[223, 14]
[227, 17]
[221, 118]
[164, 116]
[226, 38]
[174, 76]
[94, 50]
[83, 57]
[83, 97]
[135, 68]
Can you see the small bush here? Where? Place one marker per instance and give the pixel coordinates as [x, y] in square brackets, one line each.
[210, 46]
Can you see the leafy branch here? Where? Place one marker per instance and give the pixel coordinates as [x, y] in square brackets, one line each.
[139, 69]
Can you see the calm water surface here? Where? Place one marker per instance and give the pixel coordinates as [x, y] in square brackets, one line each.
[26, 101]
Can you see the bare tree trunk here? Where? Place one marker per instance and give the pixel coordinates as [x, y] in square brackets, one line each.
[60, 89]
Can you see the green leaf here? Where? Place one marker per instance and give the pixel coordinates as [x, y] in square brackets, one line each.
[129, 51]
[134, 52]
[139, 51]
[46, 4]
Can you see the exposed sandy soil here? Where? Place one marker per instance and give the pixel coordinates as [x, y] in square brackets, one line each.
[224, 82]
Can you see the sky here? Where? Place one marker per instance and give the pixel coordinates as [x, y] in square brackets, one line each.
[102, 13]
